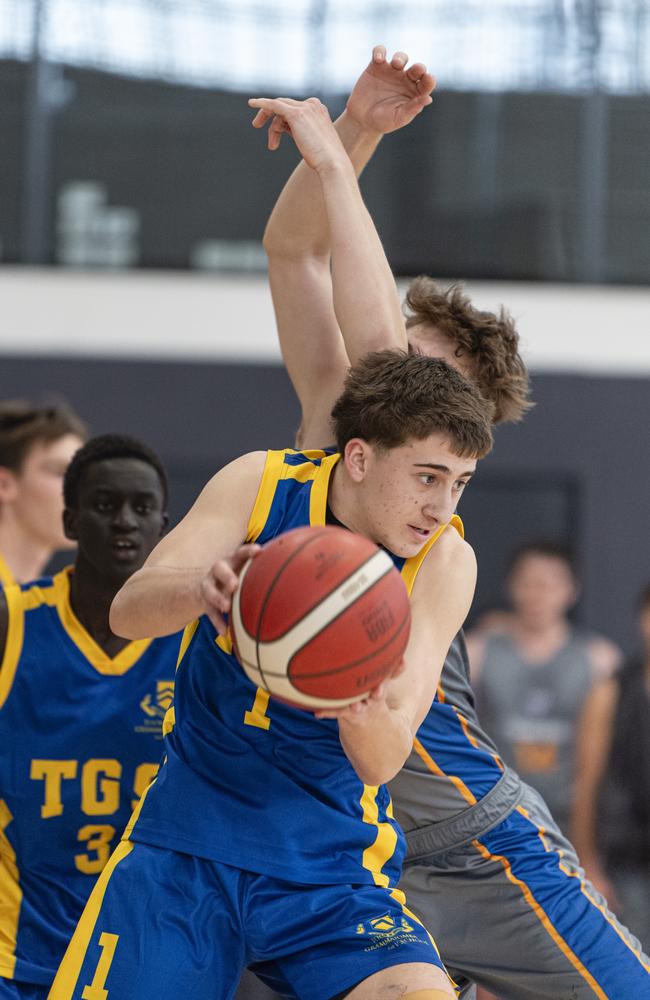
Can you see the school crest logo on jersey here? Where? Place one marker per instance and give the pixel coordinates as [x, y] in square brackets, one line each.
[155, 706]
[387, 931]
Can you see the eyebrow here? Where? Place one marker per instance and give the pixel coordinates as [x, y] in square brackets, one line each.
[442, 468]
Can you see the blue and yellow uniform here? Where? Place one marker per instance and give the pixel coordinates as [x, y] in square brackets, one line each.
[257, 844]
[80, 734]
[6, 576]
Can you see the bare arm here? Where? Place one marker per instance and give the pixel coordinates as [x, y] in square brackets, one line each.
[386, 97]
[377, 735]
[595, 732]
[194, 569]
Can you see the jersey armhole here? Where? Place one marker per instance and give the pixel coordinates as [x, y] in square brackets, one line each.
[14, 643]
[265, 494]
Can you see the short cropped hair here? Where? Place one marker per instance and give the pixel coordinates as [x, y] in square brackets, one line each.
[488, 340]
[390, 397]
[24, 424]
[101, 448]
[550, 548]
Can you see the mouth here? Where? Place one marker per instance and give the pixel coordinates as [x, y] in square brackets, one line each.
[422, 534]
[124, 549]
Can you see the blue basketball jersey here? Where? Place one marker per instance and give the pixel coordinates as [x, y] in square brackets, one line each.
[80, 740]
[248, 780]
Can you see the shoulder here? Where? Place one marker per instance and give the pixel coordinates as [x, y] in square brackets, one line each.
[244, 473]
[448, 566]
[449, 553]
[605, 658]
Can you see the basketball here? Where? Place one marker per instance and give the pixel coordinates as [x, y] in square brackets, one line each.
[321, 616]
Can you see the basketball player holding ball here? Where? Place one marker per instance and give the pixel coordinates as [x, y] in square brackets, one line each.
[268, 838]
[486, 868]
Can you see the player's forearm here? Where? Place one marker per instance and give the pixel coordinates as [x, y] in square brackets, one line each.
[366, 301]
[379, 748]
[298, 224]
[156, 601]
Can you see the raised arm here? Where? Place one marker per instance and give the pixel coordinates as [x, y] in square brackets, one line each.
[195, 569]
[386, 97]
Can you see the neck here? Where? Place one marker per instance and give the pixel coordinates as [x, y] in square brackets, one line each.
[551, 633]
[25, 556]
[91, 596]
[343, 500]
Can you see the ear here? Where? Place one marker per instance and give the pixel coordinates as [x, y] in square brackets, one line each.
[70, 524]
[356, 456]
[8, 485]
[164, 523]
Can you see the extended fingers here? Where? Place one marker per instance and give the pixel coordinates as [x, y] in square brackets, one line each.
[399, 60]
[379, 54]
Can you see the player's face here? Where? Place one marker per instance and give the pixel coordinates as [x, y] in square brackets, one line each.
[428, 340]
[542, 589]
[119, 516]
[37, 491]
[408, 492]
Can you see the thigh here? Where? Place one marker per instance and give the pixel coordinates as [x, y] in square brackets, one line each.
[323, 941]
[514, 913]
[157, 924]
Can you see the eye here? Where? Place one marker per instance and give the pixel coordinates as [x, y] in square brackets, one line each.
[460, 485]
[143, 508]
[103, 506]
[427, 479]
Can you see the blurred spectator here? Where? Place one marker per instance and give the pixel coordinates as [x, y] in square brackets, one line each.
[36, 445]
[611, 819]
[532, 671]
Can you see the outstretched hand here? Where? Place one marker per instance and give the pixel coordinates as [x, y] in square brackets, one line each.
[309, 124]
[387, 95]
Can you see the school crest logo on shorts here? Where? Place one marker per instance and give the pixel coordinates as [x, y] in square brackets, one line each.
[387, 931]
[154, 708]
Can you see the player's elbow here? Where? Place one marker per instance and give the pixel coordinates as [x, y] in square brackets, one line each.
[376, 772]
[120, 618]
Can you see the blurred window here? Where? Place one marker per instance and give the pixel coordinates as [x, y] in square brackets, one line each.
[316, 46]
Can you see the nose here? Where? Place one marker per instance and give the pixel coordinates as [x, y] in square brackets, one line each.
[441, 509]
[124, 518]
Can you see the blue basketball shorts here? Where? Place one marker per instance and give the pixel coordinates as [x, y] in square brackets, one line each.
[163, 924]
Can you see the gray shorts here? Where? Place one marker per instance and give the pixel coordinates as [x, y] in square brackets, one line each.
[510, 909]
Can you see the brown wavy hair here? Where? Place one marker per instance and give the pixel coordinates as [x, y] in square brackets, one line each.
[488, 340]
[390, 397]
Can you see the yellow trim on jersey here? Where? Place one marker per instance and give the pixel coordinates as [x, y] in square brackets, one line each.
[11, 897]
[70, 968]
[262, 506]
[128, 830]
[276, 469]
[320, 490]
[383, 847]
[188, 635]
[113, 666]
[14, 641]
[412, 566]
[7, 578]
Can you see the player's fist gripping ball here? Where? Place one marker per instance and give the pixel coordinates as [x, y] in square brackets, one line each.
[321, 616]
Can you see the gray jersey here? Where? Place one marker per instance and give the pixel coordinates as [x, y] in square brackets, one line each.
[454, 763]
[531, 710]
